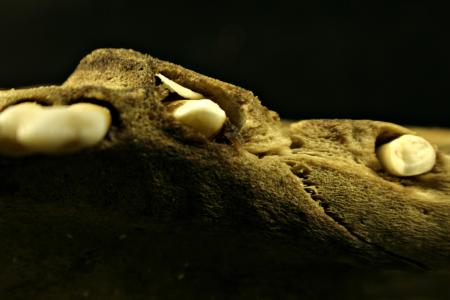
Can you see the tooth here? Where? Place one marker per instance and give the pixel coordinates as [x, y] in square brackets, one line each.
[203, 115]
[13, 116]
[55, 129]
[65, 128]
[180, 90]
[408, 155]
[10, 120]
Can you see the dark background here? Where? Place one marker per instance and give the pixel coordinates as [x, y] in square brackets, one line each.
[316, 59]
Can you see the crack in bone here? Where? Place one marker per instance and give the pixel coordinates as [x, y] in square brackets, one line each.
[311, 189]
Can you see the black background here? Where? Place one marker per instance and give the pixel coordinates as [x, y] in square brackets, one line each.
[315, 59]
[312, 59]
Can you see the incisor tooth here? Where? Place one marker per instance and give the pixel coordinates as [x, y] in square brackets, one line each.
[54, 129]
[203, 115]
[408, 155]
[180, 90]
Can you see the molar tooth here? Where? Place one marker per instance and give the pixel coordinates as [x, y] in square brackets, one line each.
[10, 120]
[65, 129]
[408, 155]
[203, 115]
[13, 116]
[179, 89]
[97, 121]
[30, 128]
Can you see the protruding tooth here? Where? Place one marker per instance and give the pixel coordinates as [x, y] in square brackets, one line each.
[203, 115]
[408, 155]
[13, 116]
[65, 129]
[180, 90]
[96, 121]
[30, 128]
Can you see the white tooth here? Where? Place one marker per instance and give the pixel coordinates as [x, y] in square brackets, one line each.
[65, 129]
[180, 90]
[96, 121]
[203, 115]
[30, 128]
[408, 155]
[10, 120]
[13, 116]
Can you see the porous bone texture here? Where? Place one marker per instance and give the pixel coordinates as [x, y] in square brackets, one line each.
[155, 199]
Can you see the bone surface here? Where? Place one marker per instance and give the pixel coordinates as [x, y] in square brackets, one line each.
[28, 128]
[158, 199]
[203, 115]
[179, 89]
[408, 155]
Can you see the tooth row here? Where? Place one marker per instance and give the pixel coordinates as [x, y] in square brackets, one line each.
[408, 155]
[29, 128]
[201, 114]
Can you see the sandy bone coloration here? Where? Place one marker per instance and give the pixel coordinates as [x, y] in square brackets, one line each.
[327, 197]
